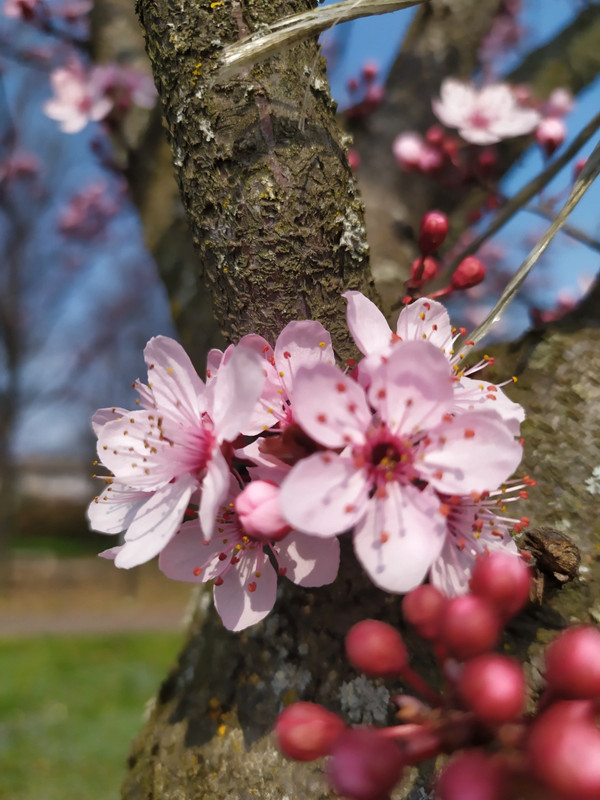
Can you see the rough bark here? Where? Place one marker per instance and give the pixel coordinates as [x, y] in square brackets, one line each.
[262, 170]
[241, 159]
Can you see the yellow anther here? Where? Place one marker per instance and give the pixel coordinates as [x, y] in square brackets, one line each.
[321, 345]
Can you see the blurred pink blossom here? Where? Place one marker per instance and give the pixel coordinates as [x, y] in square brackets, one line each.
[483, 116]
[79, 97]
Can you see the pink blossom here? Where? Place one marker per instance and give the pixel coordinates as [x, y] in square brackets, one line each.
[88, 211]
[21, 9]
[411, 151]
[169, 452]
[428, 321]
[245, 581]
[78, 98]
[126, 86]
[401, 447]
[559, 104]
[483, 116]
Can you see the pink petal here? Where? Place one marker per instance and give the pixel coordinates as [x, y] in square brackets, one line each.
[177, 389]
[301, 344]
[190, 558]
[400, 537]
[470, 395]
[155, 523]
[426, 320]
[474, 452]
[456, 103]
[330, 406]
[272, 404]
[114, 510]
[234, 392]
[367, 324]
[247, 593]
[111, 553]
[308, 560]
[413, 389]
[215, 486]
[324, 494]
[104, 415]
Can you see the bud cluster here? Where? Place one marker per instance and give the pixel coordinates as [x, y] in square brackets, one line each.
[498, 751]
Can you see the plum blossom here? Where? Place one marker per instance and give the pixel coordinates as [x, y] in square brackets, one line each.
[245, 580]
[425, 320]
[78, 98]
[169, 452]
[483, 116]
[395, 448]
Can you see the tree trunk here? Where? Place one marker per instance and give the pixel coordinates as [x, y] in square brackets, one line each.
[263, 173]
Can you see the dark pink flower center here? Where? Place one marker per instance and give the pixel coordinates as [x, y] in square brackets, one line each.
[479, 120]
[386, 457]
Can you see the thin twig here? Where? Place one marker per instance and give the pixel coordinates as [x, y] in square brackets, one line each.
[293, 29]
[569, 230]
[587, 176]
[522, 198]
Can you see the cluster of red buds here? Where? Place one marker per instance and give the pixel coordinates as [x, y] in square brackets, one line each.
[365, 91]
[432, 234]
[499, 751]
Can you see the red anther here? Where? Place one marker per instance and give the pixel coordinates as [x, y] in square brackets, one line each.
[493, 687]
[350, 362]
[469, 626]
[432, 232]
[470, 272]
[306, 731]
[573, 663]
[364, 765]
[523, 494]
[376, 648]
[422, 608]
[462, 331]
[503, 580]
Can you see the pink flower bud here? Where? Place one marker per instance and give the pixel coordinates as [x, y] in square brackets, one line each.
[432, 232]
[376, 648]
[487, 161]
[306, 731]
[564, 754]
[364, 765]
[422, 270]
[550, 134]
[422, 608]
[352, 84]
[503, 580]
[472, 775]
[559, 103]
[370, 71]
[469, 627]
[353, 158]
[259, 512]
[469, 273]
[493, 687]
[573, 663]
[434, 135]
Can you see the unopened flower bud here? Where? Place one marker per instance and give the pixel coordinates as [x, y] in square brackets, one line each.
[493, 687]
[550, 134]
[259, 511]
[573, 663]
[434, 135]
[376, 648]
[370, 71]
[353, 158]
[364, 765]
[564, 754]
[306, 731]
[433, 231]
[503, 580]
[422, 270]
[471, 775]
[469, 273]
[469, 626]
[422, 608]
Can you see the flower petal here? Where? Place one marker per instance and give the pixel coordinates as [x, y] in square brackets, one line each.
[400, 536]
[177, 389]
[330, 407]
[324, 494]
[473, 452]
[215, 486]
[233, 393]
[190, 558]
[247, 593]
[308, 560]
[426, 320]
[155, 523]
[368, 326]
[471, 395]
[113, 511]
[301, 344]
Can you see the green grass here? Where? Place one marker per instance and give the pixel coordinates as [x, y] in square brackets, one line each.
[69, 708]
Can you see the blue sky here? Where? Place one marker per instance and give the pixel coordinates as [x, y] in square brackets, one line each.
[113, 265]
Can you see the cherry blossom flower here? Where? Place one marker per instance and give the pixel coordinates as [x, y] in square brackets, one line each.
[21, 9]
[483, 116]
[425, 320]
[396, 461]
[88, 212]
[411, 151]
[78, 98]
[126, 86]
[170, 452]
[245, 580]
